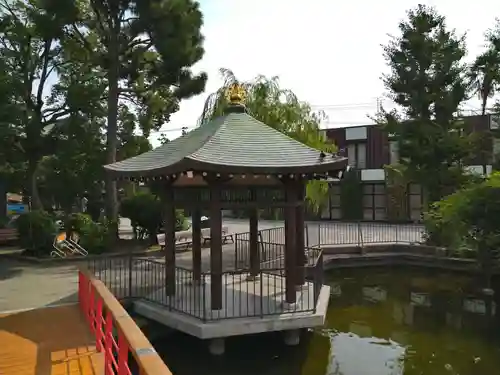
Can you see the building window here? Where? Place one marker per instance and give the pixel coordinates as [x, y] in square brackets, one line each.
[356, 155]
[374, 202]
[394, 152]
[335, 210]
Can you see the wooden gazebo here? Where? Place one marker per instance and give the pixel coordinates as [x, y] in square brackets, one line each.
[233, 162]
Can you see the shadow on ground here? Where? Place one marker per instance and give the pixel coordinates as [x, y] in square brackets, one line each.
[9, 269]
[70, 298]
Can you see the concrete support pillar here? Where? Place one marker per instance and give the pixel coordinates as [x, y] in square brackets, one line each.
[217, 346]
[292, 337]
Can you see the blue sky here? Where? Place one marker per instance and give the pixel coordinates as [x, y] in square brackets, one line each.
[328, 52]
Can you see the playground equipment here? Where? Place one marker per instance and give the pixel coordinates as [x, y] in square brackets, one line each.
[65, 246]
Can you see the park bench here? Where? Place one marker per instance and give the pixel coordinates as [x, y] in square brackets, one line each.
[8, 235]
[184, 238]
[205, 235]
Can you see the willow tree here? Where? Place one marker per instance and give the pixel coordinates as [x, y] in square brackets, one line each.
[279, 108]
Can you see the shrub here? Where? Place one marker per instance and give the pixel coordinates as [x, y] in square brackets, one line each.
[79, 222]
[468, 219]
[351, 196]
[3, 222]
[94, 236]
[146, 215]
[37, 230]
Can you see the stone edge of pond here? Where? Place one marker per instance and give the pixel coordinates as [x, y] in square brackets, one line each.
[393, 254]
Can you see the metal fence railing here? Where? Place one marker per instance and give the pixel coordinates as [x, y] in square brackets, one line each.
[140, 278]
[359, 234]
[271, 241]
[348, 233]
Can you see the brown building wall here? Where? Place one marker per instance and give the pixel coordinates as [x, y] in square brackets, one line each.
[337, 136]
[377, 142]
[377, 148]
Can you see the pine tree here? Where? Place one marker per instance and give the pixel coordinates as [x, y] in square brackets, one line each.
[428, 81]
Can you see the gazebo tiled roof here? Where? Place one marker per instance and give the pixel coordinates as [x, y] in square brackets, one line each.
[233, 143]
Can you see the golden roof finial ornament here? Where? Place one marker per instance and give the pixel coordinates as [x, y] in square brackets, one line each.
[236, 94]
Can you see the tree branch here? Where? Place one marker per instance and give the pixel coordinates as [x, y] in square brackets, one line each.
[138, 42]
[82, 38]
[43, 77]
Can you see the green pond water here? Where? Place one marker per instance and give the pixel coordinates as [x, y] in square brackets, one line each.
[380, 322]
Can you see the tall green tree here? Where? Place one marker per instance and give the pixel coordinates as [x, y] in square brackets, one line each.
[144, 49]
[281, 109]
[427, 80]
[485, 70]
[29, 55]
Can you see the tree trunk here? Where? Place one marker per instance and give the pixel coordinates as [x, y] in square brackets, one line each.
[67, 222]
[36, 203]
[3, 201]
[112, 128]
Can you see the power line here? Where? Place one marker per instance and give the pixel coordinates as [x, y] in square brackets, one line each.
[330, 108]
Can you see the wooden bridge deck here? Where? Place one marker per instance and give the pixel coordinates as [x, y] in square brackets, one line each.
[48, 341]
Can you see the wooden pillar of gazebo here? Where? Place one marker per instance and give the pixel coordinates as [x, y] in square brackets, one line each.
[196, 228]
[215, 247]
[300, 251]
[169, 228]
[254, 243]
[290, 242]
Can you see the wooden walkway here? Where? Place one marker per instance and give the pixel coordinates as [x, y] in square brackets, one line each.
[48, 341]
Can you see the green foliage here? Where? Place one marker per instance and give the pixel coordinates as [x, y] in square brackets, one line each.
[397, 193]
[351, 196]
[129, 44]
[94, 236]
[30, 53]
[146, 214]
[281, 109]
[485, 70]
[79, 221]
[37, 230]
[469, 219]
[3, 222]
[427, 80]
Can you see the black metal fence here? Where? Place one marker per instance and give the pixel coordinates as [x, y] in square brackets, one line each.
[272, 254]
[262, 295]
[359, 234]
[271, 241]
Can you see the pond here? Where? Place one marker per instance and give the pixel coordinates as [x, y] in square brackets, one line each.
[380, 322]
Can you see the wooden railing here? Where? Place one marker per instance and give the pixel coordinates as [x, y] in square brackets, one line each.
[107, 317]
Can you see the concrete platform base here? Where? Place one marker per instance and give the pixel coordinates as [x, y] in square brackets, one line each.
[248, 308]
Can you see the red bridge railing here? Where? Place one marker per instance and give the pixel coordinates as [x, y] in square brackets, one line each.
[106, 316]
